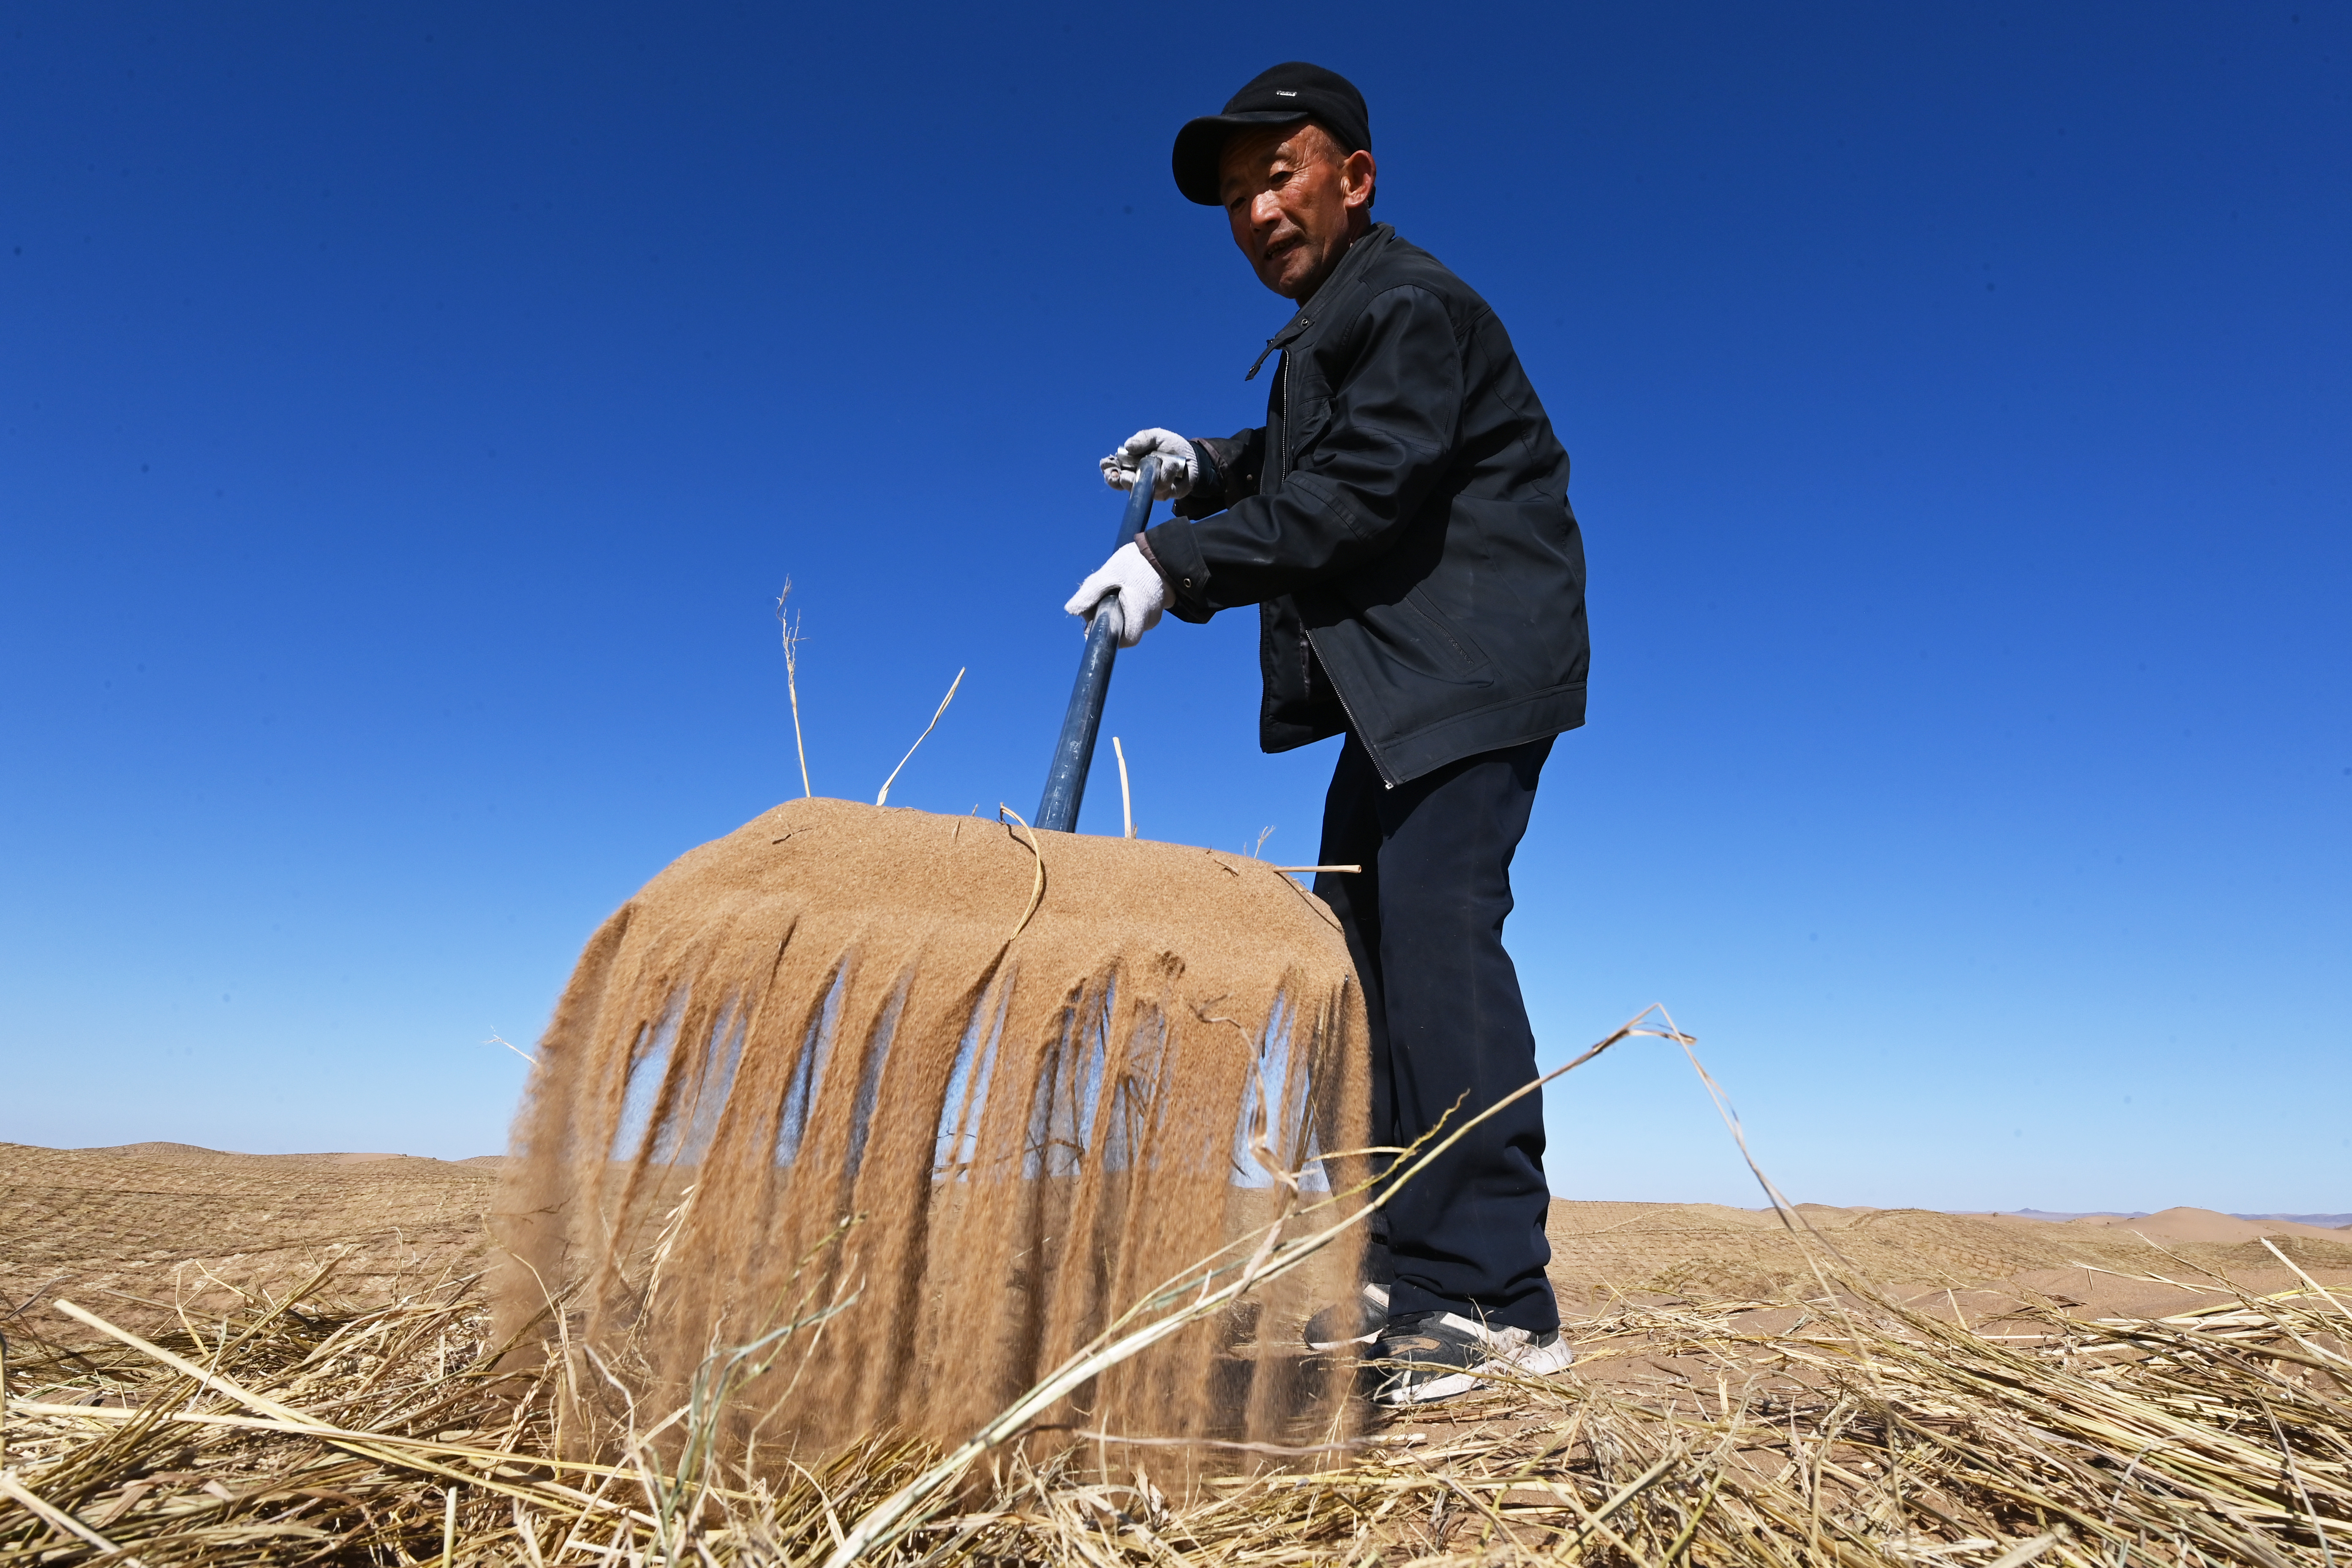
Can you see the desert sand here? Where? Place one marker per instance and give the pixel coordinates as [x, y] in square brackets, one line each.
[1981, 1265]
[152, 1226]
[2201, 1225]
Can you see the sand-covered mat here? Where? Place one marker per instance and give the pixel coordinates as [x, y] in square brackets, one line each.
[957, 1097]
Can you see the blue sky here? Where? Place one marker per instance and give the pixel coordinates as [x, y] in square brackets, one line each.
[408, 416]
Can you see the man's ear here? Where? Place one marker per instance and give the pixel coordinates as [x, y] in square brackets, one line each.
[1359, 175]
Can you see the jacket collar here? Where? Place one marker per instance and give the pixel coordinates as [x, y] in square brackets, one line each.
[1349, 265]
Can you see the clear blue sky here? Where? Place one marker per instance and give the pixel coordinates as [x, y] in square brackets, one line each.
[411, 412]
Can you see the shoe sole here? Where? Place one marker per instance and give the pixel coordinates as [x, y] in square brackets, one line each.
[1546, 1361]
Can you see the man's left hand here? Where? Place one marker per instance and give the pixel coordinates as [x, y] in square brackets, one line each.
[1179, 465]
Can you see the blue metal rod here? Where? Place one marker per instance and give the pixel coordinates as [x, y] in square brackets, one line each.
[1074, 751]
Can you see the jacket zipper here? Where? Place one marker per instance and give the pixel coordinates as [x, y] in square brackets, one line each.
[1380, 765]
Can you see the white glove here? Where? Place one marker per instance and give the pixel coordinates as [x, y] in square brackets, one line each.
[1178, 467]
[1142, 594]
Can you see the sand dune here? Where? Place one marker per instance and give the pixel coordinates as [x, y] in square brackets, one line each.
[199, 1154]
[2201, 1225]
[159, 1151]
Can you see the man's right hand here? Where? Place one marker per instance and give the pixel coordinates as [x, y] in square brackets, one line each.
[1179, 467]
[1127, 586]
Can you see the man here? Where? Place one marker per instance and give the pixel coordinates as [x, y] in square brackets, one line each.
[1402, 522]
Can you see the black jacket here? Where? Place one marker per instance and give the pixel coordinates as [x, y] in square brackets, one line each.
[1402, 521]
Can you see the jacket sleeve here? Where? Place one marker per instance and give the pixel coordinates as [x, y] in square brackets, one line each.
[1389, 440]
[1229, 467]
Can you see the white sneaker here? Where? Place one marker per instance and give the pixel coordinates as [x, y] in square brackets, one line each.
[1432, 1356]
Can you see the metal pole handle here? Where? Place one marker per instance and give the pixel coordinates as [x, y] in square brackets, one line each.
[1066, 781]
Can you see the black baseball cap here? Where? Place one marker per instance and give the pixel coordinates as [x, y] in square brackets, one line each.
[1285, 95]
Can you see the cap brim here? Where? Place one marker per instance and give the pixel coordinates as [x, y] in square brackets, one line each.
[1202, 143]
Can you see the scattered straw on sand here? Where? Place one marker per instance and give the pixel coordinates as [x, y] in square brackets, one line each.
[1840, 1428]
[150, 1228]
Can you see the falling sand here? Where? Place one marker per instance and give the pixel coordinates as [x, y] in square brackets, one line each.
[932, 1101]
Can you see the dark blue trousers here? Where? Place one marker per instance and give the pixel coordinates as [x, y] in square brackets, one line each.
[1424, 922]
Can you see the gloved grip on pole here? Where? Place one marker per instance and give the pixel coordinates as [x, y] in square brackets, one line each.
[1066, 782]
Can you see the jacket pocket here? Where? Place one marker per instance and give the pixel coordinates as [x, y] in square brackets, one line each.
[1448, 642]
[1305, 412]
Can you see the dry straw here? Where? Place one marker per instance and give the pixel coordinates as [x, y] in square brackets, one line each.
[883, 796]
[1859, 1432]
[788, 627]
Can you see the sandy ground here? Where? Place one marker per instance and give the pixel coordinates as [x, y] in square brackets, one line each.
[2100, 1264]
[147, 1226]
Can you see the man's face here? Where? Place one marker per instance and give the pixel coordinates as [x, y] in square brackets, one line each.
[1296, 205]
